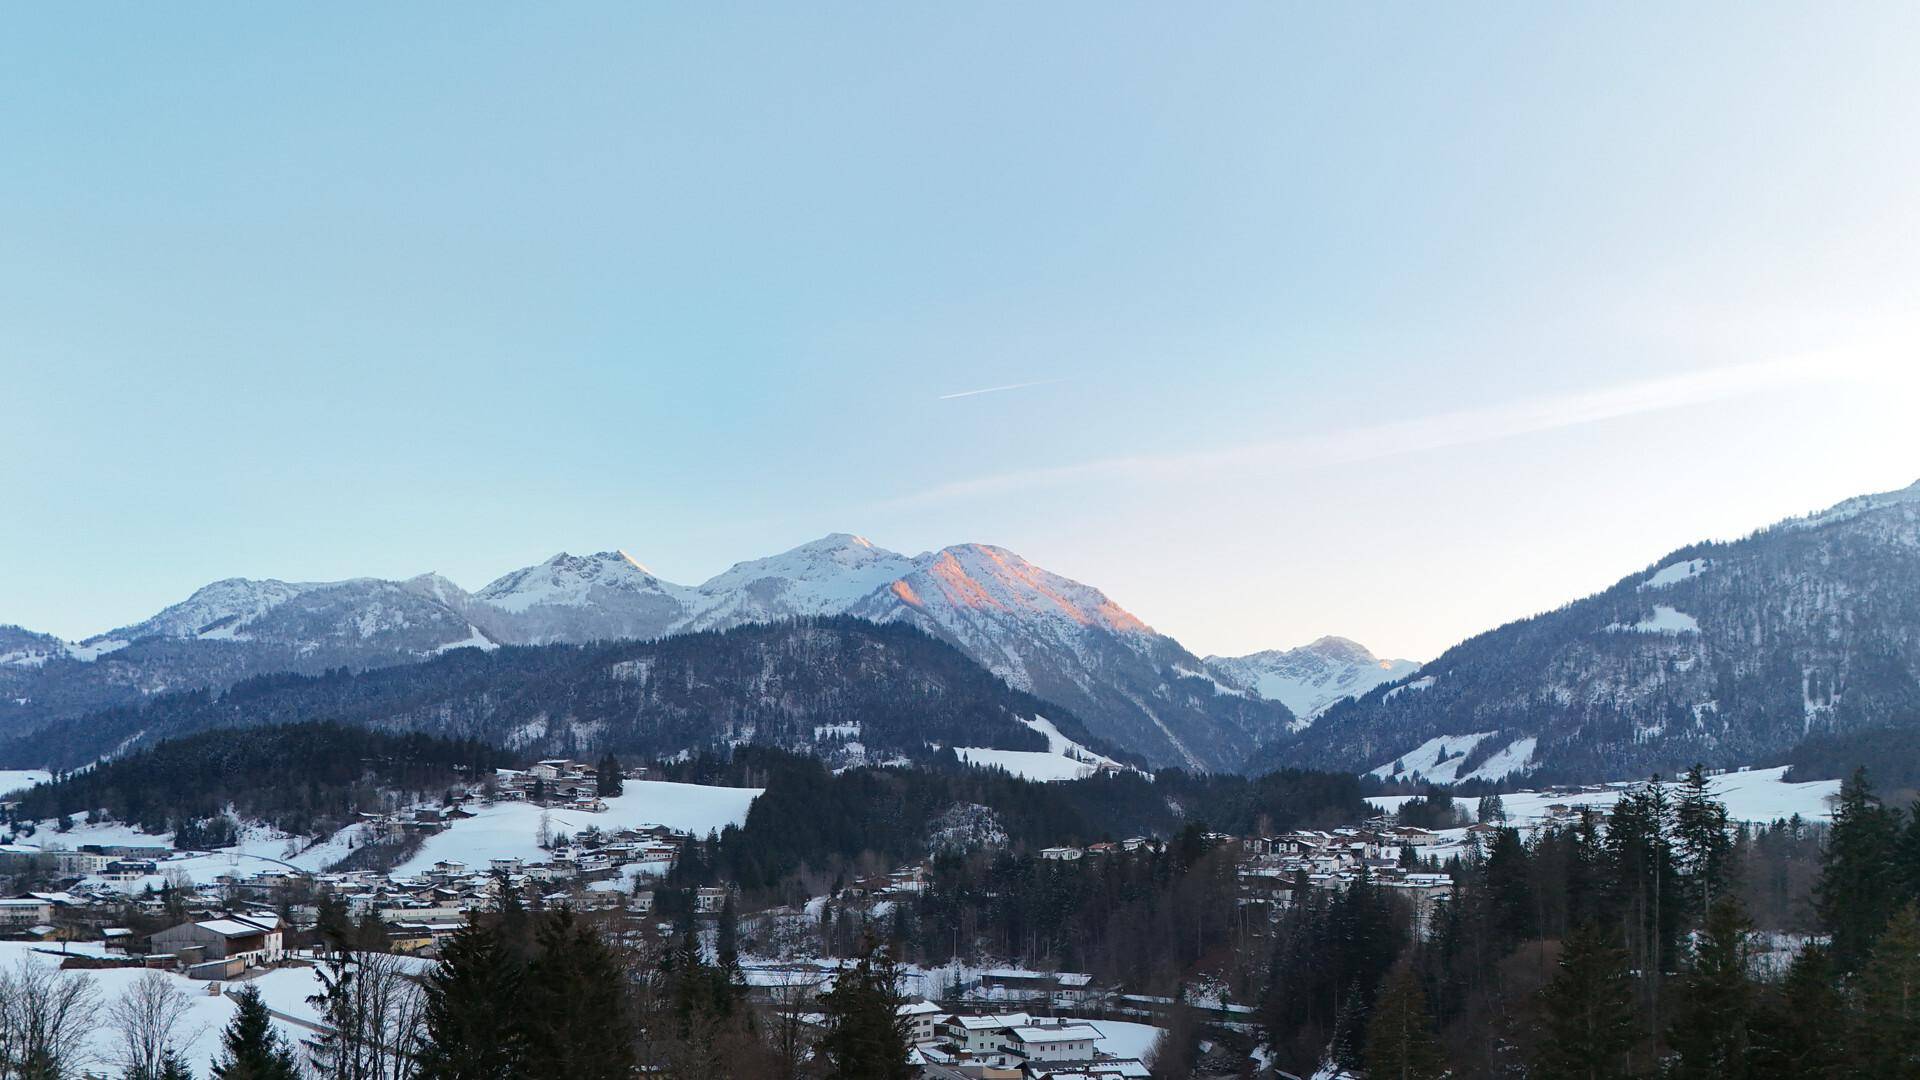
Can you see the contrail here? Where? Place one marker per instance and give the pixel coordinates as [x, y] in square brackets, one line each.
[1457, 428]
[997, 389]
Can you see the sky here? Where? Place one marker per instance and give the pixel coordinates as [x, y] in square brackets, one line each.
[1396, 321]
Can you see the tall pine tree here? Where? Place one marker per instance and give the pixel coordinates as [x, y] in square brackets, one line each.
[1400, 1039]
[1711, 1033]
[1590, 1029]
[1860, 876]
[1886, 1035]
[251, 1048]
[866, 1037]
[472, 1004]
[575, 1022]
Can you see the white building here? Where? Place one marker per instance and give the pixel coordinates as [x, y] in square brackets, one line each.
[1072, 1042]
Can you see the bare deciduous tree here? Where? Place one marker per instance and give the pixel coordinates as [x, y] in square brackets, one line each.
[46, 1015]
[149, 1023]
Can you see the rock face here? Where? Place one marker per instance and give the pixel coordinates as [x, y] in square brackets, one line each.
[1063, 641]
[1723, 653]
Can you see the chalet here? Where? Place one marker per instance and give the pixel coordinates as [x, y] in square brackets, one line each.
[1061, 854]
[923, 1018]
[709, 899]
[1068, 1042]
[253, 939]
[981, 1034]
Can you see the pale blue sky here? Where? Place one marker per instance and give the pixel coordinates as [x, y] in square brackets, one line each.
[1385, 321]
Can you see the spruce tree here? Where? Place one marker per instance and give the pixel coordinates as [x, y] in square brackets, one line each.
[1589, 1027]
[1704, 849]
[471, 1002]
[573, 1004]
[1860, 875]
[1711, 1032]
[1400, 1039]
[1802, 1029]
[1886, 1035]
[251, 1047]
[607, 779]
[866, 1037]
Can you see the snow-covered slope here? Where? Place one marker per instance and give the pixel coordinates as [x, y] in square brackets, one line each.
[824, 577]
[1720, 653]
[1068, 642]
[1064, 641]
[1311, 678]
[586, 598]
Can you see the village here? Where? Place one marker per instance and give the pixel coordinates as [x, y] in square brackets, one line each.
[127, 905]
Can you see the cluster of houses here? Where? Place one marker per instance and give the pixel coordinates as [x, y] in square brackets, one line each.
[1012, 1046]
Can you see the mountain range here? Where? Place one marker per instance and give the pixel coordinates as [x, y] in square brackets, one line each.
[1063, 641]
[1726, 654]
[844, 689]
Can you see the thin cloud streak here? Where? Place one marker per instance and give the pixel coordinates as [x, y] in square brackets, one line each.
[998, 389]
[1442, 430]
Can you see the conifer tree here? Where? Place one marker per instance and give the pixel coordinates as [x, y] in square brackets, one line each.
[607, 778]
[1711, 1031]
[866, 1037]
[1400, 1039]
[575, 1024]
[1860, 875]
[1802, 1029]
[472, 1001]
[1703, 846]
[727, 976]
[251, 1048]
[1590, 1029]
[1886, 1035]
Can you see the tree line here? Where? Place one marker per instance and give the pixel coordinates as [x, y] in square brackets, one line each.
[1629, 949]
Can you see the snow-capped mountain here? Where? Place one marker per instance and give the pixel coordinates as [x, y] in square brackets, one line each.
[1064, 641]
[605, 596]
[824, 577]
[1721, 653]
[1067, 642]
[1309, 679]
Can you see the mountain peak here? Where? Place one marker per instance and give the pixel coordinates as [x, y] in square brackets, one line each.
[1309, 679]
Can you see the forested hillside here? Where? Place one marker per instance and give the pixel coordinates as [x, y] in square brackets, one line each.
[1723, 653]
[811, 819]
[306, 779]
[847, 689]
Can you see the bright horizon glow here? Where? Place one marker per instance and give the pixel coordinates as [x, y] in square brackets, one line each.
[1393, 323]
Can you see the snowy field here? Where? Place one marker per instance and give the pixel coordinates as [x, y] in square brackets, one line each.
[259, 849]
[1756, 795]
[12, 780]
[1063, 759]
[207, 1017]
[511, 830]
[1124, 1039]
[507, 830]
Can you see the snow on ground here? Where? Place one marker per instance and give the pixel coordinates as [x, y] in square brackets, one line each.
[1755, 795]
[1675, 573]
[511, 830]
[1027, 764]
[1124, 1039]
[474, 640]
[1063, 758]
[1421, 683]
[1664, 620]
[1425, 758]
[12, 780]
[207, 1016]
[1515, 757]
